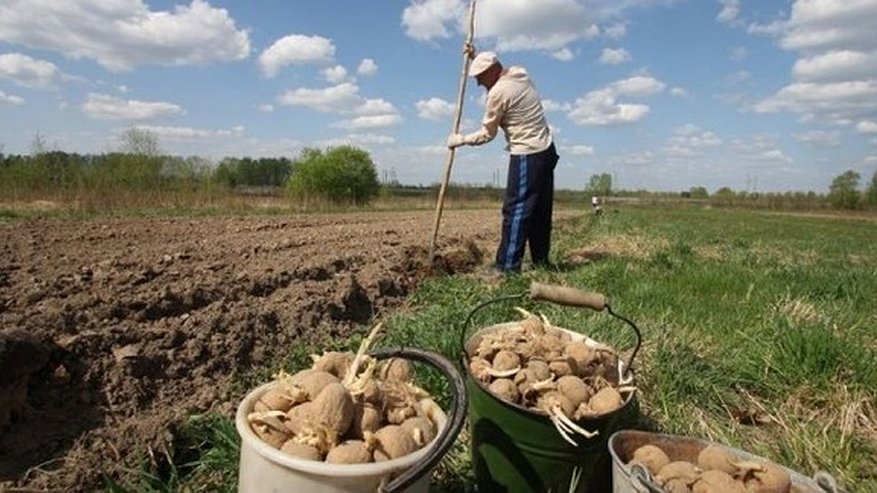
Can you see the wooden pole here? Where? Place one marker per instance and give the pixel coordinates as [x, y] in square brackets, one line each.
[454, 129]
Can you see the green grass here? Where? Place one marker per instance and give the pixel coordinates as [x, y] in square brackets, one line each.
[743, 315]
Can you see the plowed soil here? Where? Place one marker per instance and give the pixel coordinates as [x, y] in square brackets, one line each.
[117, 328]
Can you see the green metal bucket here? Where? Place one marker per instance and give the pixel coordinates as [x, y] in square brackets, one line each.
[517, 450]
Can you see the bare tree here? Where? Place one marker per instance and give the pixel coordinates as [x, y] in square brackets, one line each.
[140, 141]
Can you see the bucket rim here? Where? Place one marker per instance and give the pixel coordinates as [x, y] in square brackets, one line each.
[321, 468]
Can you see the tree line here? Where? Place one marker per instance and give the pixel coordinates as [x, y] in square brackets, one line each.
[342, 174]
[844, 192]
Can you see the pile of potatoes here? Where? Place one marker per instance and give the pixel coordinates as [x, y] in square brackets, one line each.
[716, 470]
[542, 368]
[334, 413]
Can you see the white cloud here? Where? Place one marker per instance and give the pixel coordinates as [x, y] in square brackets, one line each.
[690, 140]
[817, 25]
[9, 99]
[369, 121]
[563, 54]
[679, 92]
[345, 99]
[189, 133]
[550, 105]
[867, 127]
[519, 25]
[759, 151]
[579, 150]
[295, 49]
[774, 28]
[835, 77]
[730, 11]
[614, 56]
[434, 109]
[367, 67]
[600, 107]
[27, 71]
[615, 31]
[123, 34]
[335, 74]
[837, 65]
[425, 20]
[513, 25]
[333, 99]
[266, 108]
[358, 139]
[818, 138]
[375, 106]
[638, 85]
[105, 107]
[372, 139]
[840, 102]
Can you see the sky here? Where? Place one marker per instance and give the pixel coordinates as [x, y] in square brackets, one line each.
[664, 95]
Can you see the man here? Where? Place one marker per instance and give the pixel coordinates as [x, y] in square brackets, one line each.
[513, 105]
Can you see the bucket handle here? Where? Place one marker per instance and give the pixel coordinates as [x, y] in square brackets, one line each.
[455, 421]
[560, 295]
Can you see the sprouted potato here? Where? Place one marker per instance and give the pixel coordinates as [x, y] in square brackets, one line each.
[346, 409]
[538, 366]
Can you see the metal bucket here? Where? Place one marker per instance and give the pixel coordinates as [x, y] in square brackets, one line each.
[263, 468]
[635, 479]
[515, 449]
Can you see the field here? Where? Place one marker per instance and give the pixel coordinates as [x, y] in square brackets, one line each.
[760, 328]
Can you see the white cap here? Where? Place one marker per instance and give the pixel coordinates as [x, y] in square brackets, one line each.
[482, 62]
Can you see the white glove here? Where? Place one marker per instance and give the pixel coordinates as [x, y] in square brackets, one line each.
[456, 140]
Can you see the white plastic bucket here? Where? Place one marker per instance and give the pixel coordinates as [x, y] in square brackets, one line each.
[264, 469]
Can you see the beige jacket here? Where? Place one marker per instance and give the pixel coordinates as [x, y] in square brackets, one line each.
[513, 105]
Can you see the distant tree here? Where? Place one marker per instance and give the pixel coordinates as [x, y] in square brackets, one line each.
[844, 190]
[725, 193]
[698, 193]
[262, 172]
[140, 141]
[871, 193]
[38, 145]
[600, 184]
[342, 174]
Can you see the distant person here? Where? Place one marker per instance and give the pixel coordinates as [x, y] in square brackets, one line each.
[595, 204]
[513, 105]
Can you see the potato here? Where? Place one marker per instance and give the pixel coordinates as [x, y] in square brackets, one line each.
[771, 479]
[334, 408]
[366, 418]
[312, 381]
[421, 428]
[271, 435]
[715, 481]
[681, 470]
[395, 370]
[505, 389]
[275, 399]
[718, 458]
[301, 450]
[333, 362]
[605, 401]
[652, 457]
[393, 441]
[506, 360]
[349, 452]
[562, 366]
[581, 354]
[574, 389]
[539, 369]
